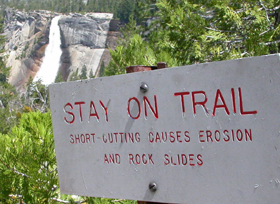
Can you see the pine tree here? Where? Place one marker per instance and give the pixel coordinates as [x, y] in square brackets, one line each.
[59, 78]
[193, 31]
[27, 159]
[83, 74]
[125, 10]
[102, 69]
[7, 91]
[74, 76]
[91, 75]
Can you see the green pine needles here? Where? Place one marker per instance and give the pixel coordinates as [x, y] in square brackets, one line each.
[190, 31]
[28, 170]
[27, 161]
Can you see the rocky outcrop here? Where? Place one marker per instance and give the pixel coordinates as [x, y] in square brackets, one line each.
[89, 30]
[85, 42]
[27, 38]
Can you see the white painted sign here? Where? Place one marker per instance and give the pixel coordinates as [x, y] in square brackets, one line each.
[206, 133]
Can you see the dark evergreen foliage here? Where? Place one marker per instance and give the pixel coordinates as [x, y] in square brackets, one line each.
[183, 32]
[122, 9]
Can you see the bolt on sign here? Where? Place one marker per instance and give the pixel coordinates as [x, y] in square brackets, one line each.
[205, 133]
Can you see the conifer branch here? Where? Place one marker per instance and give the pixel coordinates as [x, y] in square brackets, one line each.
[267, 14]
[64, 201]
[13, 169]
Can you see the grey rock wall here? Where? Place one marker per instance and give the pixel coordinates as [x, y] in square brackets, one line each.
[27, 37]
[89, 30]
[85, 41]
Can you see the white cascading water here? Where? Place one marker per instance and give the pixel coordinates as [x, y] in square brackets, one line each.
[51, 60]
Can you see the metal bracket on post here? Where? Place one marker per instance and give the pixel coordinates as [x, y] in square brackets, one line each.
[144, 88]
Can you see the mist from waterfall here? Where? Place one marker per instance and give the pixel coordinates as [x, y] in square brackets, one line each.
[51, 60]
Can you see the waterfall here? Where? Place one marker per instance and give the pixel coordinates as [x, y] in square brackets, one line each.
[51, 60]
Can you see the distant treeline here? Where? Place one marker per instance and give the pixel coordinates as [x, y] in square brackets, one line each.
[122, 9]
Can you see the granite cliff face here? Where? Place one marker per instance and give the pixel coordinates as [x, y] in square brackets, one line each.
[27, 37]
[85, 40]
[89, 30]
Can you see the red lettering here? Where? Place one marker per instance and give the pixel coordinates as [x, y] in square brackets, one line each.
[241, 106]
[151, 139]
[191, 159]
[139, 108]
[223, 105]
[157, 137]
[172, 162]
[217, 136]
[233, 100]
[116, 136]
[209, 135]
[199, 158]
[178, 134]
[80, 103]
[93, 134]
[130, 137]
[140, 159]
[83, 138]
[187, 137]
[226, 135]
[110, 137]
[130, 159]
[137, 137]
[200, 136]
[121, 134]
[144, 160]
[154, 110]
[118, 158]
[106, 159]
[182, 94]
[184, 159]
[104, 138]
[87, 138]
[166, 157]
[111, 158]
[71, 139]
[92, 106]
[105, 110]
[77, 138]
[179, 159]
[232, 134]
[201, 103]
[172, 138]
[164, 136]
[248, 134]
[137, 159]
[70, 113]
[239, 135]
[150, 159]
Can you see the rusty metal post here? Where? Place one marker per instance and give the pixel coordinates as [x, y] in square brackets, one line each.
[141, 68]
[162, 65]
[137, 68]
